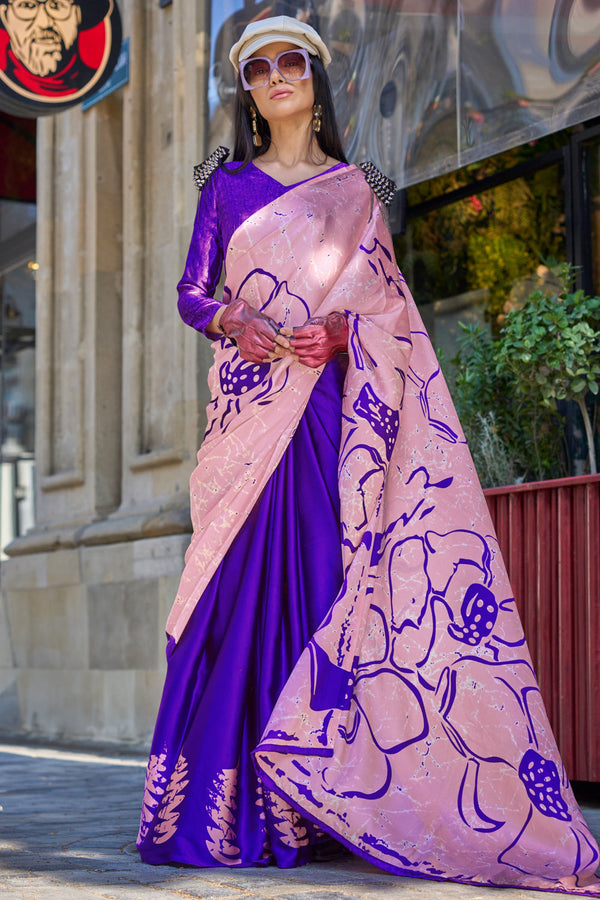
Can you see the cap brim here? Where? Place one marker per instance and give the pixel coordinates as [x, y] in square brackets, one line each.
[272, 38]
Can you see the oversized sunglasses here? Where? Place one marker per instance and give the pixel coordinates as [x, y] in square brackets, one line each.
[292, 65]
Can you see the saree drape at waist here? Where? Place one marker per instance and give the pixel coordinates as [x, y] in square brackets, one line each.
[204, 804]
[412, 726]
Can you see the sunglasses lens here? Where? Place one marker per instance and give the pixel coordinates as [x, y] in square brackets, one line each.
[257, 72]
[292, 65]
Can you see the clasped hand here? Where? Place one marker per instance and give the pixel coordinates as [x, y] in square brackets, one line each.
[259, 338]
[255, 334]
[320, 339]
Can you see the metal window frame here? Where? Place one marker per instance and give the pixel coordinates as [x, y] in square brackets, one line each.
[578, 204]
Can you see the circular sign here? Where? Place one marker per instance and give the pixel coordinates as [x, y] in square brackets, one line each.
[55, 53]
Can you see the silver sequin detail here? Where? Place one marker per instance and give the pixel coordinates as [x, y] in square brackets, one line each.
[204, 170]
[382, 186]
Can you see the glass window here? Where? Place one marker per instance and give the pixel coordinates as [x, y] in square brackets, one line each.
[423, 88]
[477, 244]
[17, 366]
[474, 259]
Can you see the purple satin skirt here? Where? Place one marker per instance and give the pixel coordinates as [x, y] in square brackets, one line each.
[204, 804]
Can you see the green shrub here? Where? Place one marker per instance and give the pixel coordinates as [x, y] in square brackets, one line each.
[550, 348]
[487, 402]
[506, 390]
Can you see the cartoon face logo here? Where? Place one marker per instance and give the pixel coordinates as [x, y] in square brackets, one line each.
[41, 34]
[53, 53]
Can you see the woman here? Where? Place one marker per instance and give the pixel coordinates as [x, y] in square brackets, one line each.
[345, 658]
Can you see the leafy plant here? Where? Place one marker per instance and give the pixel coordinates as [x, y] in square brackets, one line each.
[493, 412]
[551, 348]
[506, 390]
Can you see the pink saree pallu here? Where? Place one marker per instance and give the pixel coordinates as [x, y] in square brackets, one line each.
[412, 727]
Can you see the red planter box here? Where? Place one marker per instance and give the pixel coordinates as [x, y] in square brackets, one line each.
[549, 534]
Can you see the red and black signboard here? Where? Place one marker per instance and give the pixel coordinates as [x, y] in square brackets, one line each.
[55, 53]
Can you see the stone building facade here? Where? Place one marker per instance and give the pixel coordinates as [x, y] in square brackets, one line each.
[120, 385]
[121, 381]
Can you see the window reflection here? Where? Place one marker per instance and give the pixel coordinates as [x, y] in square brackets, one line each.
[424, 88]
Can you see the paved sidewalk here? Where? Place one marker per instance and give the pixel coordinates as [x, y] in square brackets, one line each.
[68, 823]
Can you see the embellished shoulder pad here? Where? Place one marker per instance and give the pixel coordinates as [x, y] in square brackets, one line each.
[382, 186]
[204, 170]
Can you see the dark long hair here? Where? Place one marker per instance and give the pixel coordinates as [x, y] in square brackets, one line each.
[327, 138]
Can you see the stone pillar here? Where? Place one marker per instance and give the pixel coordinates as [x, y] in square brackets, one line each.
[118, 410]
[79, 331]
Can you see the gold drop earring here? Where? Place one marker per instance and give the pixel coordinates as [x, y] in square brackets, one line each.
[256, 138]
[317, 116]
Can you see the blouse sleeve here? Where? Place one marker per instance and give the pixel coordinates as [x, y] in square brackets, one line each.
[203, 266]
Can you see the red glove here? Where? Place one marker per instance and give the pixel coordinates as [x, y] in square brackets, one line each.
[319, 339]
[253, 332]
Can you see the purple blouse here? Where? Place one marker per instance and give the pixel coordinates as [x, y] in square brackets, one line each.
[226, 201]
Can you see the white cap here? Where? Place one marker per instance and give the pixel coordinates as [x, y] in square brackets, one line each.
[278, 28]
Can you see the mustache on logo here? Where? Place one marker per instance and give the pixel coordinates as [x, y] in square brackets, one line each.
[47, 34]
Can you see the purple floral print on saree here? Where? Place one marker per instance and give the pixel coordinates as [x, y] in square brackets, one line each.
[411, 727]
